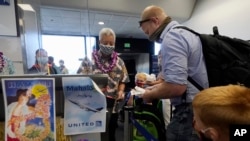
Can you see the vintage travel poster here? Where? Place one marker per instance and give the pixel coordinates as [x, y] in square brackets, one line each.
[29, 109]
[85, 106]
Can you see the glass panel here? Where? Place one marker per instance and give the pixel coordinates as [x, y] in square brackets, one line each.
[90, 46]
[68, 48]
[157, 48]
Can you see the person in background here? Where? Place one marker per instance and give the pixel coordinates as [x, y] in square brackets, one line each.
[41, 62]
[182, 57]
[142, 79]
[62, 68]
[216, 108]
[106, 61]
[53, 67]
[85, 67]
[6, 65]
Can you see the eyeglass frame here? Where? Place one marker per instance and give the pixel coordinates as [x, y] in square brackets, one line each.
[143, 21]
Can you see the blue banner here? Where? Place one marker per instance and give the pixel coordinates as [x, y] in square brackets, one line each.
[4, 2]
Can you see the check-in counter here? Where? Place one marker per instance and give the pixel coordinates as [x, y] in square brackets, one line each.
[100, 79]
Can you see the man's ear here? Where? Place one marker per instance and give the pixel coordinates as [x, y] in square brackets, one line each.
[155, 20]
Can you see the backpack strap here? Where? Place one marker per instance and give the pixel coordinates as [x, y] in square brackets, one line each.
[191, 80]
[188, 29]
[215, 30]
[184, 96]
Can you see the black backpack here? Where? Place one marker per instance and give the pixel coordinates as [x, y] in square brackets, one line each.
[227, 59]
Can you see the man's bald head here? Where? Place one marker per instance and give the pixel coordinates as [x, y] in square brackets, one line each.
[153, 11]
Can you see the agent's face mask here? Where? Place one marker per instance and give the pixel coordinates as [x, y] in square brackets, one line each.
[42, 60]
[106, 49]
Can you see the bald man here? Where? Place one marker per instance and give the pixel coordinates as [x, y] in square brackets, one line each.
[182, 57]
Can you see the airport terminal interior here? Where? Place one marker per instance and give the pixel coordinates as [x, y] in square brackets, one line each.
[68, 30]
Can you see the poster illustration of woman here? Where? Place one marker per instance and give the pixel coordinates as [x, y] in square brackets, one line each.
[29, 109]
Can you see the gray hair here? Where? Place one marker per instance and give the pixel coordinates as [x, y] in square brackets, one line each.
[106, 31]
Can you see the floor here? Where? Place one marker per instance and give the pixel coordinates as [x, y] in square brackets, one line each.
[120, 131]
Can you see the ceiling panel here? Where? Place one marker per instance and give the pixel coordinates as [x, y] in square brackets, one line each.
[81, 17]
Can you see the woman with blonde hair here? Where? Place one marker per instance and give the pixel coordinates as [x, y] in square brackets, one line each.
[216, 108]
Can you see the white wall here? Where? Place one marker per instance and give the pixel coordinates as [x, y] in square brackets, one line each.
[10, 44]
[231, 17]
[11, 48]
[8, 22]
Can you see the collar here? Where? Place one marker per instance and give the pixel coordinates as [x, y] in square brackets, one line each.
[171, 25]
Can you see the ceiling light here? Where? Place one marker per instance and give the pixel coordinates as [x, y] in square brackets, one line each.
[101, 23]
[26, 7]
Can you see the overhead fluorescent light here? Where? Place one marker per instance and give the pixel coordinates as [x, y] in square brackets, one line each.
[26, 7]
[101, 23]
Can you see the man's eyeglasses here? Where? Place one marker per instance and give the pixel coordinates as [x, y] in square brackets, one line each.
[143, 21]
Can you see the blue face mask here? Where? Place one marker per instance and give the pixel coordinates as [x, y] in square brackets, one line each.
[42, 60]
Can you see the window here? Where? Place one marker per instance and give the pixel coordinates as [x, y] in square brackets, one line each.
[68, 48]
[90, 46]
[157, 48]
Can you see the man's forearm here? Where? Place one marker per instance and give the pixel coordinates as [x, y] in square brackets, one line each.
[164, 91]
[121, 87]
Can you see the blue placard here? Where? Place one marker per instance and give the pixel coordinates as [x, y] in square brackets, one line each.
[4, 2]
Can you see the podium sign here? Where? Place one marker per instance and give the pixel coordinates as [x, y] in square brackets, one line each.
[84, 106]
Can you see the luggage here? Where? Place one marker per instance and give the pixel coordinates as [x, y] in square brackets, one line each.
[147, 120]
[150, 117]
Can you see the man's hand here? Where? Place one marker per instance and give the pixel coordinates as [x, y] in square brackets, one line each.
[137, 91]
[146, 96]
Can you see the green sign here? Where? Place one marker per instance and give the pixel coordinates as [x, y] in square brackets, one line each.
[127, 45]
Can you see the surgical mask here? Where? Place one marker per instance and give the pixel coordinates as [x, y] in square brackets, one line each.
[203, 136]
[61, 64]
[106, 49]
[42, 60]
[139, 84]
